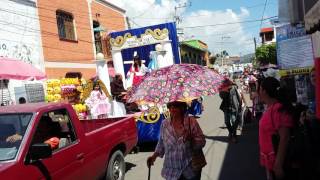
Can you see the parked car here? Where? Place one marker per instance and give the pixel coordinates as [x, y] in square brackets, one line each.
[89, 149]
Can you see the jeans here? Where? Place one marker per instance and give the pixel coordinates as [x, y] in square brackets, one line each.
[232, 122]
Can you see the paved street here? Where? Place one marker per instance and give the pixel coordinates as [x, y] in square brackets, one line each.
[225, 161]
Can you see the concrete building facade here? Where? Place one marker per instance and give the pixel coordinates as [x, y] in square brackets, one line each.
[194, 52]
[20, 39]
[267, 35]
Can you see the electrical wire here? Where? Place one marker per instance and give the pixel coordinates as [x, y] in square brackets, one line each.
[230, 23]
[143, 13]
[247, 7]
[44, 19]
[264, 9]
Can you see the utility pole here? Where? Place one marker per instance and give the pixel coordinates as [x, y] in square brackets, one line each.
[177, 18]
[255, 44]
[222, 56]
[128, 22]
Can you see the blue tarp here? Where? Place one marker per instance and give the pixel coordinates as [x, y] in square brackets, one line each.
[196, 108]
[149, 132]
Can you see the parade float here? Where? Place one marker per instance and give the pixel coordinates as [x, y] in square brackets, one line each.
[157, 46]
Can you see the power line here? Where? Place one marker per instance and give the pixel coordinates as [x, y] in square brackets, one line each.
[67, 50]
[31, 30]
[264, 9]
[224, 24]
[230, 32]
[144, 12]
[247, 7]
[135, 23]
[53, 22]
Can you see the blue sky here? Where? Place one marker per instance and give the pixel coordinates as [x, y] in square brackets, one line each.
[203, 13]
[255, 8]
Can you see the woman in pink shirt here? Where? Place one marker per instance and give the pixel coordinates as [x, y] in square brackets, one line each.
[276, 119]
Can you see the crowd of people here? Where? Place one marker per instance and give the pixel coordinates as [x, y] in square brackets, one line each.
[289, 136]
[289, 133]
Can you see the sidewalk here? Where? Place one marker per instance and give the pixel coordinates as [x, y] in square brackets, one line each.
[229, 161]
[241, 160]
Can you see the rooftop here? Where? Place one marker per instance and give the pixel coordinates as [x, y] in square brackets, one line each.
[265, 30]
[107, 3]
[196, 44]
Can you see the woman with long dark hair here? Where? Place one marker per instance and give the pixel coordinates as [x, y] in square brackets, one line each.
[276, 120]
[137, 71]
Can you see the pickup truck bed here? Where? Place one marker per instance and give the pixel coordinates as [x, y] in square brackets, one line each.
[94, 124]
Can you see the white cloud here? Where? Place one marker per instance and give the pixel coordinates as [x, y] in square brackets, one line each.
[231, 37]
[151, 12]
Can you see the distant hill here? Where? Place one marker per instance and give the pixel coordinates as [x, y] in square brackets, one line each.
[248, 58]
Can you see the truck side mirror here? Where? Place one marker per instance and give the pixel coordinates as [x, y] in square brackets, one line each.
[39, 151]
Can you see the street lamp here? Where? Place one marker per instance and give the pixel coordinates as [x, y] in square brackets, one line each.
[102, 70]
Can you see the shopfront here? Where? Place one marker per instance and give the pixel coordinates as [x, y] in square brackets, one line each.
[312, 23]
[295, 56]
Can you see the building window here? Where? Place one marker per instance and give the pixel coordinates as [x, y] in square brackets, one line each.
[66, 26]
[97, 37]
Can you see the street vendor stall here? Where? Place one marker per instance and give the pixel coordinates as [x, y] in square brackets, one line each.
[22, 73]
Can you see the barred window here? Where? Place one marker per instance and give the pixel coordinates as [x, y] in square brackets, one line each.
[66, 26]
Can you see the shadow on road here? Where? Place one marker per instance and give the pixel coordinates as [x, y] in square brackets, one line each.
[129, 166]
[241, 160]
[147, 147]
[218, 138]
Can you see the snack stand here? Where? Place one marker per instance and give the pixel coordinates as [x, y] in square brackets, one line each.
[69, 89]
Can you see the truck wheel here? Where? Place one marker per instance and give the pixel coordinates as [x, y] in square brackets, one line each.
[116, 167]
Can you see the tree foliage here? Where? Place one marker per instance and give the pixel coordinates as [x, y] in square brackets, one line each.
[267, 54]
[224, 53]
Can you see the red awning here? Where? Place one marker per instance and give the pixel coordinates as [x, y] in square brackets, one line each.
[265, 30]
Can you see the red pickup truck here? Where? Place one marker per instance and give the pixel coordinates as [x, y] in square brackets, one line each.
[90, 149]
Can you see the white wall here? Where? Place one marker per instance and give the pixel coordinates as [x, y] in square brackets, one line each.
[20, 36]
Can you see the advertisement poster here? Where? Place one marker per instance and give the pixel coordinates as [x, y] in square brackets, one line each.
[295, 53]
[294, 47]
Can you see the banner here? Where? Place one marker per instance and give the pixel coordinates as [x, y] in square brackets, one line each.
[297, 71]
[294, 47]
